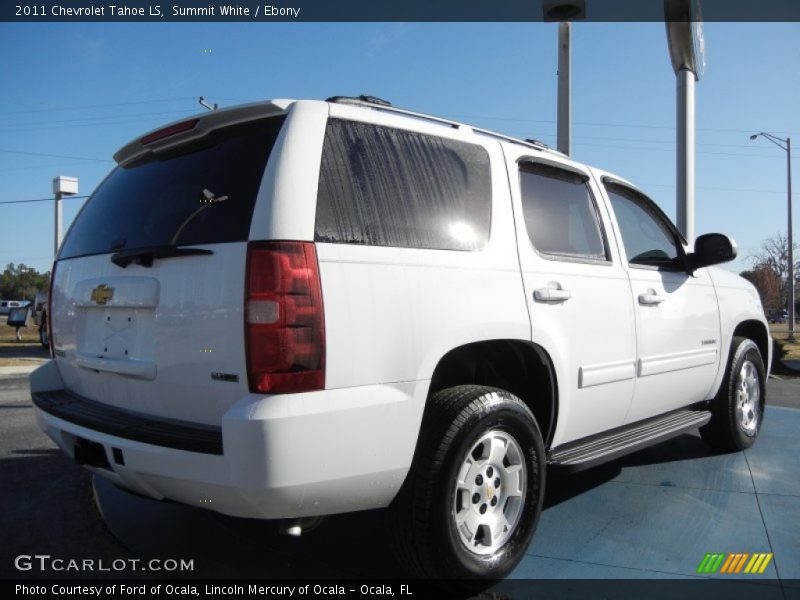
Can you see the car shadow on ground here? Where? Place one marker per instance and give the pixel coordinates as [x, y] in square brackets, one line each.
[23, 350]
[354, 545]
[562, 485]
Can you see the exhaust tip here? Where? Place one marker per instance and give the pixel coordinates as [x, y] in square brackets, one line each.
[296, 527]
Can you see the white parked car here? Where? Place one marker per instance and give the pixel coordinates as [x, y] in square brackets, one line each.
[7, 305]
[291, 309]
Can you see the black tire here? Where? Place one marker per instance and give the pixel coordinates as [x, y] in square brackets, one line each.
[423, 516]
[728, 429]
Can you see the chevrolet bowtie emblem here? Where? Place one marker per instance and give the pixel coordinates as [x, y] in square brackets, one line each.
[102, 294]
[489, 492]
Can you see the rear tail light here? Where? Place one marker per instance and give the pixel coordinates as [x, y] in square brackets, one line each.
[49, 323]
[284, 320]
[160, 134]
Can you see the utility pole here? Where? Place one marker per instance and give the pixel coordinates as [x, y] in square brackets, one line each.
[62, 186]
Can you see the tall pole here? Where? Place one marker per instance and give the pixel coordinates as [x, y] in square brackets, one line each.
[685, 148]
[58, 224]
[791, 243]
[564, 128]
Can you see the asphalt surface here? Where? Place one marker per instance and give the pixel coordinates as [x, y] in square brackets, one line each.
[615, 521]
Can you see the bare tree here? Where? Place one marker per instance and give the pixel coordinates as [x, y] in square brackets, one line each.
[767, 284]
[774, 255]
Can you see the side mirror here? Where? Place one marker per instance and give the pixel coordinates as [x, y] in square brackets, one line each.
[712, 249]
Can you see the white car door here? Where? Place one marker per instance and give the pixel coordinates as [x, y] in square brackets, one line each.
[577, 292]
[677, 316]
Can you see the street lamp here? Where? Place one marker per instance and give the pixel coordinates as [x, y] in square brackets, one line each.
[786, 145]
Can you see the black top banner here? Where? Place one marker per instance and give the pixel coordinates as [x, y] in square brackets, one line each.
[390, 10]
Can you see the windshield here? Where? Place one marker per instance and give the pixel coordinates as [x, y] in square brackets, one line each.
[200, 193]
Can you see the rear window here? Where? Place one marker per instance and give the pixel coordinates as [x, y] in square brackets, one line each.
[383, 186]
[200, 193]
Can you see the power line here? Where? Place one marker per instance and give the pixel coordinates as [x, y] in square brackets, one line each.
[599, 124]
[97, 119]
[55, 155]
[37, 200]
[45, 166]
[39, 110]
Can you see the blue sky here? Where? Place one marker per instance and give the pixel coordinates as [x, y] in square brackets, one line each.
[80, 91]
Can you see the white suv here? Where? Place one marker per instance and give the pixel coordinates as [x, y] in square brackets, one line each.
[290, 309]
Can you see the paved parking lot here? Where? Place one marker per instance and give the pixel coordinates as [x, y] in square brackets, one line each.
[654, 514]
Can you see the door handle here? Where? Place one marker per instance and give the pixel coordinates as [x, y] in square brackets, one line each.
[551, 295]
[650, 298]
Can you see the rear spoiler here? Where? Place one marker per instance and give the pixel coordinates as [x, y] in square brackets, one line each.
[180, 132]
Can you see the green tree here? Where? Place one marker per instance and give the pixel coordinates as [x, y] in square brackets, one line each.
[20, 282]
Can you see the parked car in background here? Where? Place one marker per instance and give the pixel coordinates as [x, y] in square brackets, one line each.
[778, 316]
[7, 305]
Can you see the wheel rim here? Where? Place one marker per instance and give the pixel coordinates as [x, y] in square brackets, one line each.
[748, 396]
[489, 492]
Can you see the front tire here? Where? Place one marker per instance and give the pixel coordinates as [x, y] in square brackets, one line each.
[738, 409]
[472, 499]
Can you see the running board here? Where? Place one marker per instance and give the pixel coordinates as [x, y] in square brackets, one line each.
[587, 452]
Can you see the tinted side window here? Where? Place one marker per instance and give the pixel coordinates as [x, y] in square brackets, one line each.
[202, 192]
[648, 239]
[560, 213]
[382, 186]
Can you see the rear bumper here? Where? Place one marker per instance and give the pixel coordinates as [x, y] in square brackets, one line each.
[170, 433]
[281, 456]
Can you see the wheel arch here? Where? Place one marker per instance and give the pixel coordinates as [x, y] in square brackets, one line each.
[756, 331]
[517, 366]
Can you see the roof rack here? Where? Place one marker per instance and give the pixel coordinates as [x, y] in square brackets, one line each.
[376, 103]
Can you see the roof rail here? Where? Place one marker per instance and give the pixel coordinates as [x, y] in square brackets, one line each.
[376, 103]
[362, 99]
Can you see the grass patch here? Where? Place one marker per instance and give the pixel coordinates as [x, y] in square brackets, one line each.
[783, 349]
[8, 335]
[780, 333]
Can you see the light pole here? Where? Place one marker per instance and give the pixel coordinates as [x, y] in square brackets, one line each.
[786, 145]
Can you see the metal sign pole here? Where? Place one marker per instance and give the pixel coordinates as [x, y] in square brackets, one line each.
[685, 153]
[564, 135]
[687, 50]
[58, 224]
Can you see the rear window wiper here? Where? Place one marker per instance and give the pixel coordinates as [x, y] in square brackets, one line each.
[146, 256]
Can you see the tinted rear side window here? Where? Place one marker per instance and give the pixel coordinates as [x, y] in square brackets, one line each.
[560, 215]
[200, 193]
[382, 186]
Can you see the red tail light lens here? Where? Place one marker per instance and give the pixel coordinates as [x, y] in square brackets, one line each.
[284, 319]
[49, 324]
[169, 131]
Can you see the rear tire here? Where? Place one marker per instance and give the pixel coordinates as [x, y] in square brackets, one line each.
[472, 499]
[738, 409]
